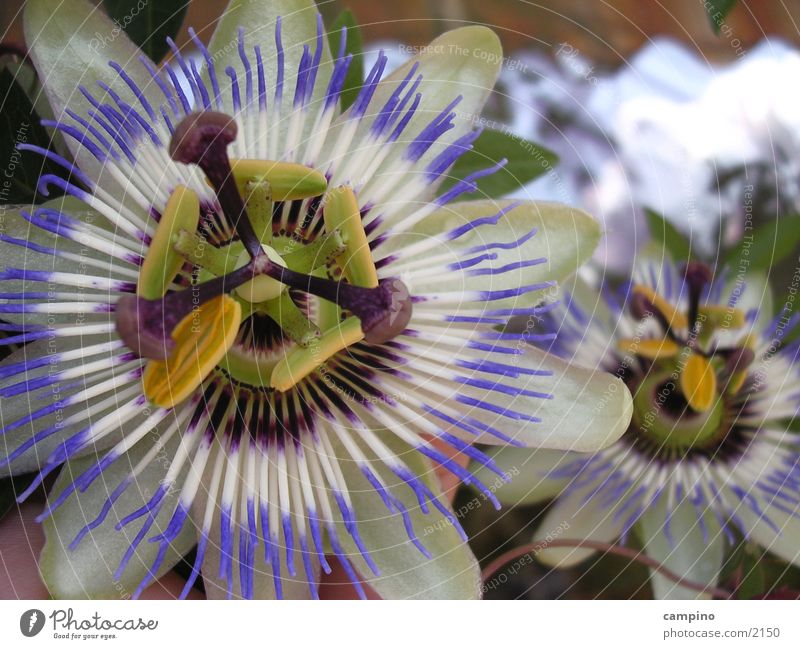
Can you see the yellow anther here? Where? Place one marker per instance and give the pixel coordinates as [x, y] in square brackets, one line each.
[301, 361]
[288, 181]
[699, 383]
[650, 349]
[162, 262]
[263, 287]
[674, 317]
[748, 340]
[201, 340]
[721, 317]
[341, 212]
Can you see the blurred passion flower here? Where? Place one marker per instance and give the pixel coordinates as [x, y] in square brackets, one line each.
[707, 454]
[264, 355]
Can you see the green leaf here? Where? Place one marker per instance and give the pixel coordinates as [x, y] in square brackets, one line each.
[778, 573]
[717, 11]
[148, 24]
[668, 237]
[766, 245]
[355, 46]
[754, 581]
[526, 161]
[733, 559]
[19, 124]
[792, 425]
[25, 75]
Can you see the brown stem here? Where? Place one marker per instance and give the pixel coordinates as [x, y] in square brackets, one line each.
[202, 138]
[628, 553]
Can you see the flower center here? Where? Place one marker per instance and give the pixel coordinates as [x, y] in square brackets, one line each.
[189, 332]
[663, 415]
[262, 288]
[688, 381]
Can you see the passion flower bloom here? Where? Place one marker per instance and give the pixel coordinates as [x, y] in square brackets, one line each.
[253, 326]
[707, 458]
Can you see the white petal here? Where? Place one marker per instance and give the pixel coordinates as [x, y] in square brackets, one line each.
[564, 239]
[679, 541]
[780, 537]
[528, 471]
[71, 44]
[298, 29]
[570, 518]
[451, 572]
[570, 408]
[88, 570]
[63, 411]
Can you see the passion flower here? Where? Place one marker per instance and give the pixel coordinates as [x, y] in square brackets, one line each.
[262, 324]
[708, 457]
